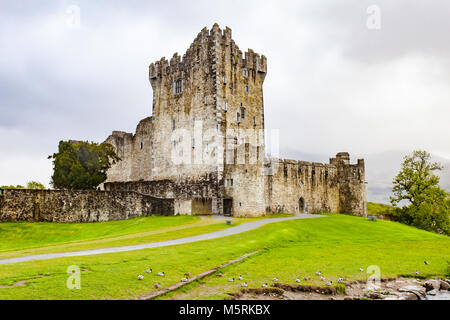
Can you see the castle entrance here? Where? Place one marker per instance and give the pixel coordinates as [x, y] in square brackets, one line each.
[302, 205]
[228, 207]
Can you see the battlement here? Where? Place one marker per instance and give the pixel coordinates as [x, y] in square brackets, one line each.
[205, 49]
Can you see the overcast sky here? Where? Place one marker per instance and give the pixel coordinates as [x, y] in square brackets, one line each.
[332, 85]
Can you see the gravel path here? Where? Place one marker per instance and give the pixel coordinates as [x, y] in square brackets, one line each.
[207, 236]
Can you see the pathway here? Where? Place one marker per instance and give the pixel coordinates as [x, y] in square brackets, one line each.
[207, 236]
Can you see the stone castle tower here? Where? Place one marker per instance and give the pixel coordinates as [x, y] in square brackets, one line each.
[204, 144]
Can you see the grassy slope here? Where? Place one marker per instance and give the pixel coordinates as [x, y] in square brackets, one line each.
[337, 245]
[22, 235]
[21, 239]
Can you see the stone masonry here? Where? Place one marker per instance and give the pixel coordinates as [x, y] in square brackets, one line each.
[204, 144]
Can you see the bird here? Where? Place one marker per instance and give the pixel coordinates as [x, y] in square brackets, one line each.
[329, 283]
[140, 277]
[240, 278]
[244, 285]
[148, 271]
[318, 273]
[156, 285]
[306, 278]
[417, 272]
[426, 262]
[161, 274]
[297, 280]
[340, 280]
[230, 279]
[187, 274]
[264, 285]
[275, 279]
[220, 274]
[361, 269]
[184, 280]
[322, 278]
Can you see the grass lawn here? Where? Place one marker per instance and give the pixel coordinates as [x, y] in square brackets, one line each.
[337, 245]
[24, 235]
[25, 238]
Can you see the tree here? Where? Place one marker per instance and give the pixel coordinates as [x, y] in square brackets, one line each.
[35, 185]
[427, 206]
[81, 165]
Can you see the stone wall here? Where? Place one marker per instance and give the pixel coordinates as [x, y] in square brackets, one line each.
[135, 152]
[191, 197]
[79, 206]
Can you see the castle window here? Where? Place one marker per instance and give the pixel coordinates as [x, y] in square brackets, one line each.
[242, 112]
[142, 145]
[206, 100]
[247, 89]
[174, 124]
[224, 79]
[254, 121]
[178, 86]
[231, 182]
[245, 73]
[238, 117]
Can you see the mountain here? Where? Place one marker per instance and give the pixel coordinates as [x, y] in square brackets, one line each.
[381, 168]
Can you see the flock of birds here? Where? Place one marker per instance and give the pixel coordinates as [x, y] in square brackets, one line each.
[264, 285]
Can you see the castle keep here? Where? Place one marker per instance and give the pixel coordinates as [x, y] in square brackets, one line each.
[204, 145]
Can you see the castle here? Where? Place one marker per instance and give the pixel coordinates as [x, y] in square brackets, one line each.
[204, 146]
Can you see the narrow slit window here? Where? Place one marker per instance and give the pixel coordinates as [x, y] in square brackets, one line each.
[242, 112]
[178, 86]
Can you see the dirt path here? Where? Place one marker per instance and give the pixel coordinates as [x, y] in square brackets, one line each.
[207, 236]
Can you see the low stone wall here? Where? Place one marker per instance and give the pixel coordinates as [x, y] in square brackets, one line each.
[79, 206]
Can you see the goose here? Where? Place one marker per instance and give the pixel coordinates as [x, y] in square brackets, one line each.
[340, 280]
[417, 272]
[240, 277]
[306, 278]
[244, 285]
[156, 285]
[297, 280]
[148, 271]
[329, 283]
[187, 274]
[220, 274]
[140, 277]
[322, 278]
[230, 279]
[361, 269]
[161, 274]
[426, 262]
[275, 279]
[184, 280]
[264, 285]
[318, 273]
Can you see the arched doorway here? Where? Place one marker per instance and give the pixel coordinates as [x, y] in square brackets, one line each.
[302, 205]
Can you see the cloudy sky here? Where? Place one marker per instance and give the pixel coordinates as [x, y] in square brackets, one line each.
[333, 84]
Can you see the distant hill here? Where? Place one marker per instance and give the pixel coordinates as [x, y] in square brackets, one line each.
[381, 168]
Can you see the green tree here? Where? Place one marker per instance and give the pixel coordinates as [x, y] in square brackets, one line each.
[81, 165]
[426, 205]
[35, 185]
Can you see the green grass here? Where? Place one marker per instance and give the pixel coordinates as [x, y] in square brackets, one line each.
[338, 245]
[377, 209]
[25, 238]
[25, 235]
